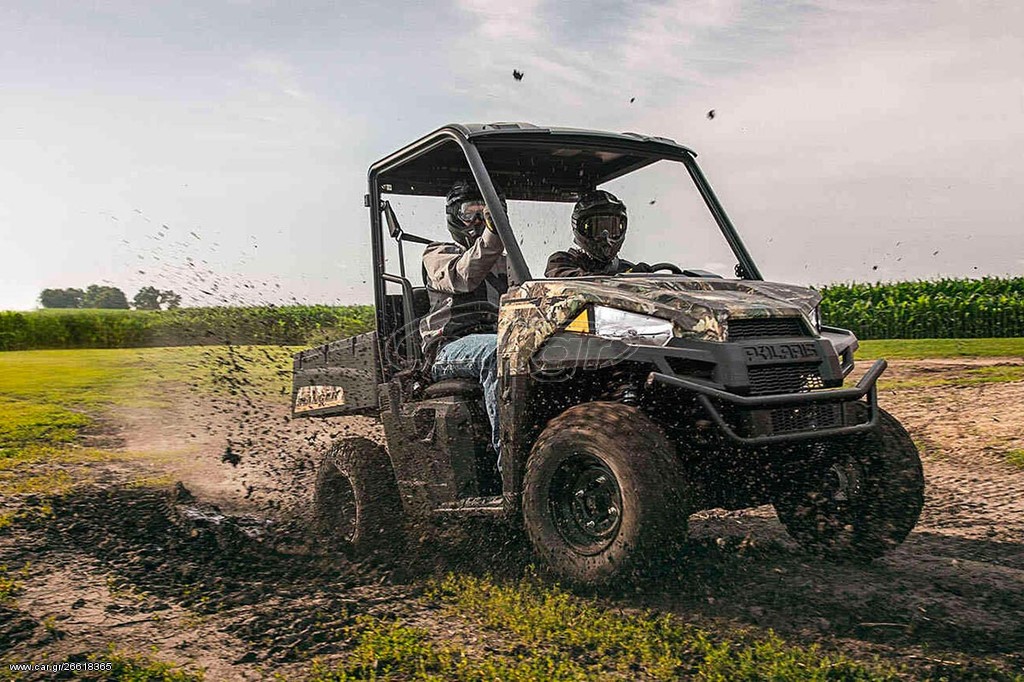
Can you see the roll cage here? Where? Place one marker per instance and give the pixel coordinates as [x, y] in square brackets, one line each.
[529, 163]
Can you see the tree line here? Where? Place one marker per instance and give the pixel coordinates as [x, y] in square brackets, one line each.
[278, 325]
[110, 298]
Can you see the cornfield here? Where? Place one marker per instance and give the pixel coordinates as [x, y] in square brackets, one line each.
[945, 308]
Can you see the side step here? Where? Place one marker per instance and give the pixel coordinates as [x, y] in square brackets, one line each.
[474, 506]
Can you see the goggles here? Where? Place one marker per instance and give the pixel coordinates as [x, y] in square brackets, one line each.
[613, 226]
[471, 210]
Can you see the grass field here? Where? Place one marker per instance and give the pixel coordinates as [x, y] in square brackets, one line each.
[48, 398]
[948, 349]
[919, 349]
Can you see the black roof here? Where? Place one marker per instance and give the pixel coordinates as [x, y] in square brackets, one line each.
[524, 161]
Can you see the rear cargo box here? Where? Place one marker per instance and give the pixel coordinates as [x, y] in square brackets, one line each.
[336, 378]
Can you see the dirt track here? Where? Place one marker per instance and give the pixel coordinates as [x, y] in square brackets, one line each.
[112, 566]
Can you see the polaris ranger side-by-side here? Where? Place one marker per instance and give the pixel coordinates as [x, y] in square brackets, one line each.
[627, 402]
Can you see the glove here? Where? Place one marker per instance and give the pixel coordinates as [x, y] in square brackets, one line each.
[489, 221]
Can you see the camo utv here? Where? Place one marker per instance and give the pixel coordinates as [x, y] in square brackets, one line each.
[626, 402]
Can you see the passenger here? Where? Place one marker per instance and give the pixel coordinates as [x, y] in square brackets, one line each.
[599, 229]
[465, 280]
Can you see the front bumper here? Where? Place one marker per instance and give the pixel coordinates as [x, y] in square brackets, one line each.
[844, 418]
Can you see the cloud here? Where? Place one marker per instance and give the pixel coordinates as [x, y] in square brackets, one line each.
[595, 61]
[893, 99]
[556, 52]
[278, 75]
[501, 20]
[657, 40]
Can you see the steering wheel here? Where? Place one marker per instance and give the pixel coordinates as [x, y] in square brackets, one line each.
[666, 266]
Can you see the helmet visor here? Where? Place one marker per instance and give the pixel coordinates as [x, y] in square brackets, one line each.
[472, 210]
[612, 227]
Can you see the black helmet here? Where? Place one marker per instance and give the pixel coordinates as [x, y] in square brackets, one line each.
[599, 224]
[466, 228]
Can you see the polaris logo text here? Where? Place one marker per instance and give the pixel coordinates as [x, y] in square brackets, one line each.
[781, 351]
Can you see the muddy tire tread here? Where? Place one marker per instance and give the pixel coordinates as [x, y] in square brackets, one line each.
[893, 504]
[378, 521]
[649, 476]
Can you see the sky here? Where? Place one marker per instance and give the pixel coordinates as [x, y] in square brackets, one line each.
[220, 148]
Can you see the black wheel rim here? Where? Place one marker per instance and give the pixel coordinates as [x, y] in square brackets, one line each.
[834, 500]
[338, 507]
[841, 485]
[585, 503]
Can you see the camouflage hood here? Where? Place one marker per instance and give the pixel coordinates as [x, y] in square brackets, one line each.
[699, 307]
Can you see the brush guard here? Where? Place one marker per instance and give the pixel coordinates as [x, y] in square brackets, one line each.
[818, 401]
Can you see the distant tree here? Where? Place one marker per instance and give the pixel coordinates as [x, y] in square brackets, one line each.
[148, 298]
[170, 300]
[104, 297]
[61, 298]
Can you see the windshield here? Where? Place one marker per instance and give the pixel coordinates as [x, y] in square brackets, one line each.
[668, 221]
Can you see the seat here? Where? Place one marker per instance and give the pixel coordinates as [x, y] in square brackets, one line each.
[420, 302]
[461, 388]
[456, 387]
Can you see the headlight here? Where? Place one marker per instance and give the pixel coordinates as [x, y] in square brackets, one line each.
[815, 318]
[612, 323]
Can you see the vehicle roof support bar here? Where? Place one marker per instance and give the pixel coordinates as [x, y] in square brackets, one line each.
[518, 270]
[724, 224]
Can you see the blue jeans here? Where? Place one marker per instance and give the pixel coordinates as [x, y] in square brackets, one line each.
[474, 357]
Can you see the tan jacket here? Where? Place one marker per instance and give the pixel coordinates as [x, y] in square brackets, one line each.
[465, 287]
[454, 269]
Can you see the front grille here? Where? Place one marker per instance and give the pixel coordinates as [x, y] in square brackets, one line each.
[765, 328]
[794, 378]
[809, 418]
[696, 369]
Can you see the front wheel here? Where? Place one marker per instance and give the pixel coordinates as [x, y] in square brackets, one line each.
[855, 499]
[356, 506]
[603, 497]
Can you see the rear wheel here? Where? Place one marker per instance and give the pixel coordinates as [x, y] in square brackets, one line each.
[859, 500]
[603, 497]
[356, 506]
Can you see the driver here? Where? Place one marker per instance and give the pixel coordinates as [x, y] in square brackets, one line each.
[465, 280]
[599, 229]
